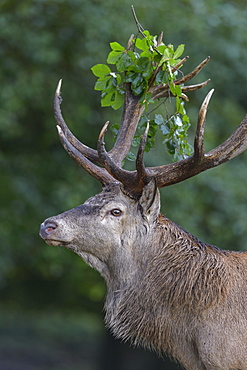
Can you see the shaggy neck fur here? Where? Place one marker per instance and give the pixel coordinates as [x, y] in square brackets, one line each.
[183, 277]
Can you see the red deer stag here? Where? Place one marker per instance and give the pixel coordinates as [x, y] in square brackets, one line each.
[166, 290]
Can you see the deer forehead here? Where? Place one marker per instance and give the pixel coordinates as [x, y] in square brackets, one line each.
[105, 208]
[109, 200]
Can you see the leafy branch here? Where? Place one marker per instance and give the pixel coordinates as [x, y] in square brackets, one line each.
[144, 64]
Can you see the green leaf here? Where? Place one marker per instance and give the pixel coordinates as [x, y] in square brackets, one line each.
[137, 90]
[130, 76]
[111, 85]
[116, 46]
[100, 70]
[165, 130]
[186, 119]
[133, 55]
[101, 84]
[177, 156]
[162, 77]
[175, 89]
[107, 99]
[149, 37]
[142, 63]
[167, 53]
[179, 106]
[118, 101]
[178, 121]
[146, 66]
[159, 119]
[142, 44]
[171, 147]
[114, 56]
[115, 128]
[178, 90]
[131, 157]
[163, 49]
[136, 141]
[148, 54]
[179, 51]
[137, 79]
[123, 62]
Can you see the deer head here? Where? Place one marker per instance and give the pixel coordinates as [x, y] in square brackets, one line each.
[98, 229]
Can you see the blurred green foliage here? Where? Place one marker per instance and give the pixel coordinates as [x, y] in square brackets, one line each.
[45, 40]
[64, 341]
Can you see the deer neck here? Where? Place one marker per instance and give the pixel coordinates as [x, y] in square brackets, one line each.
[180, 275]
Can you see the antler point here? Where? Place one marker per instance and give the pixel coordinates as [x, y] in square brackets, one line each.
[58, 90]
[59, 129]
[103, 131]
[147, 129]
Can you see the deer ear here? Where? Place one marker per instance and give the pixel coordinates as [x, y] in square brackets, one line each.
[150, 200]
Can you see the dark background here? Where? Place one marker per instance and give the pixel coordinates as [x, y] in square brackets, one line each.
[51, 302]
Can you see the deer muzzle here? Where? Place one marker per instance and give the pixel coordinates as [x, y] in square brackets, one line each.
[48, 232]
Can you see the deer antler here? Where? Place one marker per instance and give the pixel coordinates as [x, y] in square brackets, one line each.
[132, 112]
[176, 172]
[133, 181]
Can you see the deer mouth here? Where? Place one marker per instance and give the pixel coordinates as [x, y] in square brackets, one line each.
[56, 243]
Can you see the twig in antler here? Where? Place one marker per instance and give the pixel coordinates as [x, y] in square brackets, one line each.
[138, 24]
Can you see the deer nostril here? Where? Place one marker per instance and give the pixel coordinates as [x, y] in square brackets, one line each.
[48, 228]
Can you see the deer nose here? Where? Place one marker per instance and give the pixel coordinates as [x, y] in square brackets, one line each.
[47, 228]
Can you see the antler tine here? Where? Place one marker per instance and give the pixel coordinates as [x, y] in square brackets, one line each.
[176, 172]
[107, 162]
[199, 137]
[163, 90]
[131, 115]
[91, 154]
[190, 88]
[103, 131]
[133, 181]
[58, 89]
[160, 38]
[130, 42]
[99, 173]
[140, 167]
[193, 73]
[182, 61]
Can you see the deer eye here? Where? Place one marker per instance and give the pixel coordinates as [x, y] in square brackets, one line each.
[116, 212]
